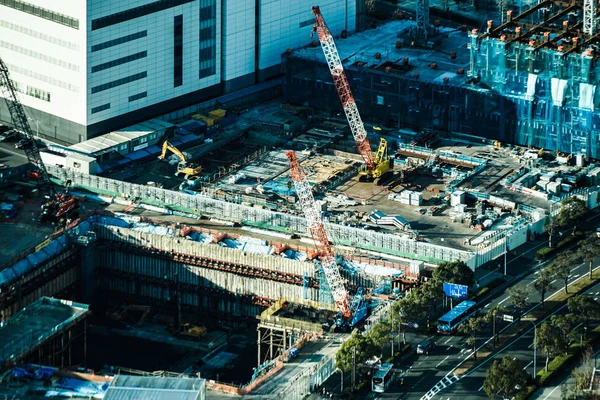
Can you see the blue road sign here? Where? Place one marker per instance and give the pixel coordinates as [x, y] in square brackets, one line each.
[455, 290]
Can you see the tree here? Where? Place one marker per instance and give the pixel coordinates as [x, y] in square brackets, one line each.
[564, 325]
[362, 345]
[491, 316]
[561, 267]
[405, 311]
[549, 341]
[380, 334]
[543, 283]
[583, 373]
[518, 296]
[453, 272]
[572, 211]
[584, 307]
[505, 378]
[588, 250]
[472, 327]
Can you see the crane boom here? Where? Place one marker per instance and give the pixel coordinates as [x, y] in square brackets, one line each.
[319, 235]
[343, 88]
[21, 123]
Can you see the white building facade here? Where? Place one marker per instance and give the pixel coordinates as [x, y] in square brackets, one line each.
[85, 68]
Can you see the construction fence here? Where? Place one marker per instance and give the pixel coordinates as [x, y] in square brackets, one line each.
[198, 205]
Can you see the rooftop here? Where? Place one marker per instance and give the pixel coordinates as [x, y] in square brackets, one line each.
[36, 323]
[125, 387]
[377, 50]
[102, 143]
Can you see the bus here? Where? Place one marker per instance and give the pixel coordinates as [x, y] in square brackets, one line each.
[382, 378]
[448, 323]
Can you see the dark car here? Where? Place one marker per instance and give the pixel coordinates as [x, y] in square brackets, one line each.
[9, 135]
[21, 143]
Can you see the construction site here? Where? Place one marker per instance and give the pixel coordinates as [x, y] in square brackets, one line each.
[237, 236]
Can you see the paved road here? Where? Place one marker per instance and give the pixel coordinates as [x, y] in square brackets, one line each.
[11, 156]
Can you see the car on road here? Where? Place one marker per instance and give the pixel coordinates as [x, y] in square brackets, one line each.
[425, 346]
[9, 135]
[21, 143]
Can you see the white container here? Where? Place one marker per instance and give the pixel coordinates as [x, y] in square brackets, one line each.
[457, 198]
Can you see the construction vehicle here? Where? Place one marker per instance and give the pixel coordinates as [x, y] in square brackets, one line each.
[350, 313]
[497, 144]
[132, 315]
[184, 167]
[375, 165]
[56, 206]
[188, 331]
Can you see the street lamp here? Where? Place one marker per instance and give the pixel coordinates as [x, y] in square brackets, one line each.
[534, 348]
[37, 125]
[342, 380]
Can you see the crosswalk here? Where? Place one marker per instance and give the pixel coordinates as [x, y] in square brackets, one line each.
[442, 384]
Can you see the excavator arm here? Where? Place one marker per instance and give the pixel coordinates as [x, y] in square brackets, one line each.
[167, 146]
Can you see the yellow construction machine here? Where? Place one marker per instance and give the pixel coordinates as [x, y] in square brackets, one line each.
[188, 331]
[184, 167]
[382, 162]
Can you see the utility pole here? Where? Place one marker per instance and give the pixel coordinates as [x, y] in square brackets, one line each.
[505, 251]
[392, 329]
[494, 329]
[534, 348]
[353, 368]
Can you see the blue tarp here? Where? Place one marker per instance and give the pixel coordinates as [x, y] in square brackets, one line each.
[54, 247]
[83, 387]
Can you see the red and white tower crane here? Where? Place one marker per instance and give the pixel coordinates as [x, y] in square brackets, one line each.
[374, 166]
[343, 88]
[319, 235]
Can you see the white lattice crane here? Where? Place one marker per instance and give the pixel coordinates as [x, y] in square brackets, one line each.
[373, 167]
[319, 235]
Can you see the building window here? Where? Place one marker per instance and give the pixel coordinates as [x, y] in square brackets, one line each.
[119, 61]
[133, 13]
[39, 35]
[307, 22]
[178, 51]
[118, 41]
[123, 146]
[152, 136]
[32, 91]
[208, 38]
[100, 108]
[76, 165]
[137, 96]
[39, 56]
[119, 82]
[43, 78]
[143, 139]
[41, 12]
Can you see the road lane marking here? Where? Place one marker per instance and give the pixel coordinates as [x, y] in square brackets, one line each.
[504, 300]
[419, 381]
[441, 362]
[553, 282]
[487, 305]
[527, 366]
[449, 339]
[449, 347]
[481, 388]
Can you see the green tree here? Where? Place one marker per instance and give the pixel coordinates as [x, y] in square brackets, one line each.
[405, 311]
[588, 250]
[583, 373]
[518, 296]
[549, 341]
[453, 272]
[380, 334]
[564, 325]
[561, 267]
[584, 307]
[471, 328]
[505, 378]
[572, 211]
[543, 283]
[360, 347]
[491, 316]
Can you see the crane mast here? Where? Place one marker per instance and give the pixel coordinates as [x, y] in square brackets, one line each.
[19, 119]
[319, 235]
[343, 88]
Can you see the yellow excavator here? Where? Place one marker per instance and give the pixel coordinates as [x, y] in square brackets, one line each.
[184, 167]
[383, 163]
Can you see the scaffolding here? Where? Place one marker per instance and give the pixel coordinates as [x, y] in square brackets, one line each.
[279, 333]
